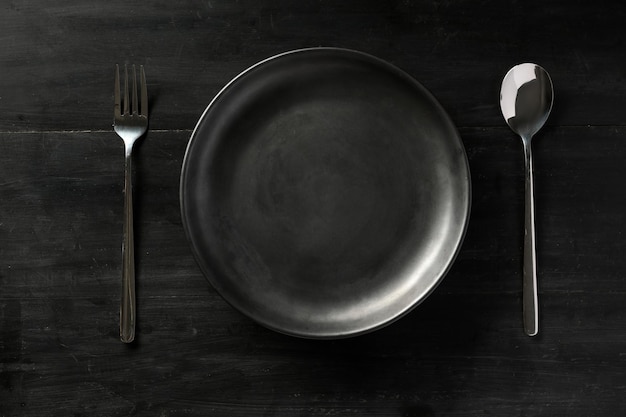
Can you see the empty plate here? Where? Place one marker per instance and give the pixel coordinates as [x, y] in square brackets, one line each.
[325, 193]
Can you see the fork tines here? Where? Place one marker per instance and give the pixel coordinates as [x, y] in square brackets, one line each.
[131, 105]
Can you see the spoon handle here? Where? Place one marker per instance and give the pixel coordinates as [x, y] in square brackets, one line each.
[529, 292]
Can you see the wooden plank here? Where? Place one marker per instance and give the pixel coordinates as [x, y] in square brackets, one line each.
[59, 57]
[462, 352]
[194, 355]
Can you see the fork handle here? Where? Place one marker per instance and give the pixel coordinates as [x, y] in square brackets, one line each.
[127, 306]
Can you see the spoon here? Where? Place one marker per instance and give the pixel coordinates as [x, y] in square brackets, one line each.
[526, 100]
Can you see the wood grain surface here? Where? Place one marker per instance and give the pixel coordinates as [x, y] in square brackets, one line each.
[462, 352]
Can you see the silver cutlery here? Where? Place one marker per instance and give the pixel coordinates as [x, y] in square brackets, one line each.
[130, 123]
[526, 98]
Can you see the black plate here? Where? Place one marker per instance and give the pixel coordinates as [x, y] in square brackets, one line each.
[325, 193]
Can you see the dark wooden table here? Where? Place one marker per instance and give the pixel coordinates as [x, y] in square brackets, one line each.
[461, 353]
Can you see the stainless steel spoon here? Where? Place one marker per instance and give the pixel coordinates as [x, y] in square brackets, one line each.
[526, 100]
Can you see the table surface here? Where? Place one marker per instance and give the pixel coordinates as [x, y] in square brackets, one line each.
[462, 352]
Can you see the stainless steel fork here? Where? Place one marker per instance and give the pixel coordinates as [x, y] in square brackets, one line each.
[130, 123]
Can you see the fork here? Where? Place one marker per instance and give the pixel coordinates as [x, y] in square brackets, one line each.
[130, 123]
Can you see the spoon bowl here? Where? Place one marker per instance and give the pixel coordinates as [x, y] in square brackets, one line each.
[526, 98]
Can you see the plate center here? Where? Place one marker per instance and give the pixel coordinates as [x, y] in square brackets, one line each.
[322, 196]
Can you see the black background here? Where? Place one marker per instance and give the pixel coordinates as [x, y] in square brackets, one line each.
[461, 353]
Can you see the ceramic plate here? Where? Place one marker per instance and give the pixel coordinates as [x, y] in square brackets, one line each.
[325, 193]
